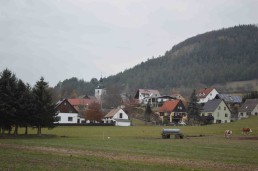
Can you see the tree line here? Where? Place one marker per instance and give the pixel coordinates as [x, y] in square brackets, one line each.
[24, 106]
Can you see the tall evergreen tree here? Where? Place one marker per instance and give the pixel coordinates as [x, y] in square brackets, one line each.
[8, 85]
[45, 114]
[24, 105]
[147, 113]
[193, 108]
[19, 105]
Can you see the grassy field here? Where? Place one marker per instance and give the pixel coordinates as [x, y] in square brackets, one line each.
[133, 148]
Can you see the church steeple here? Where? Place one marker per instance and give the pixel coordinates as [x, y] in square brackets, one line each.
[101, 85]
[100, 90]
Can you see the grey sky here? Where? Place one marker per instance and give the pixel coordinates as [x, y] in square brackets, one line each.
[60, 39]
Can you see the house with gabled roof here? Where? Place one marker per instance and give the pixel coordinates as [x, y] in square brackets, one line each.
[145, 96]
[218, 109]
[72, 110]
[233, 102]
[206, 94]
[248, 108]
[173, 110]
[67, 113]
[117, 116]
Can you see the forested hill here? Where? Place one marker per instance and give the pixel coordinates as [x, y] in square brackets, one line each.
[214, 57]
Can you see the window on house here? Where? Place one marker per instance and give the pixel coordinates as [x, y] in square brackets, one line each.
[226, 115]
[218, 121]
[65, 103]
[226, 121]
[219, 108]
[225, 108]
[70, 119]
[218, 114]
[241, 114]
[121, 115]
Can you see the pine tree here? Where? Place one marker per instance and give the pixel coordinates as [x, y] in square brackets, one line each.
[24, 105]
[45, 114]
[147, 113]
[8, 85]
[193, 108]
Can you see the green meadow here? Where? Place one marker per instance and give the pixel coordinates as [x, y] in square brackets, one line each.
[133, 148]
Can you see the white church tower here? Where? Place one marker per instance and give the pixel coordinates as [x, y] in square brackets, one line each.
[100, 90]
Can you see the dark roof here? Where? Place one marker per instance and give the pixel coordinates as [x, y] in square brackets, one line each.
[211, 105]
[230, 98]
[249, 105]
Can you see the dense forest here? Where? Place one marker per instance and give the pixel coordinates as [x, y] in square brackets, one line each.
[216, 57]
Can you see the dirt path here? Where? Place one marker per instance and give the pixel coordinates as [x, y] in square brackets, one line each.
[136, 158]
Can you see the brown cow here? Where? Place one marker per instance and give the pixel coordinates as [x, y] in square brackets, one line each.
[246, 131]
[228, 133]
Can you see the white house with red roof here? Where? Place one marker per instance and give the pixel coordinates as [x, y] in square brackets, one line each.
[206, 94]
[117, 116]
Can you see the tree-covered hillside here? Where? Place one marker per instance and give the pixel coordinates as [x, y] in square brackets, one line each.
[211, 58]
[215, 57]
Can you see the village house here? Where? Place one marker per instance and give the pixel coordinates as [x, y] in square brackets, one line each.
[67, 113]
[250, 107]
[145, 96]
[233, 102]
[72, 110]
[218, 109]
[117, 116]
[206, 94]
[174, 111]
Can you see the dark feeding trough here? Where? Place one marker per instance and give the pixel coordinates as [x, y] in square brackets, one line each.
[166, 133]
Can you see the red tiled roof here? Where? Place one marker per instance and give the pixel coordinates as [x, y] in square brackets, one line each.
[83, 102]
[202, 93]
[169, 106]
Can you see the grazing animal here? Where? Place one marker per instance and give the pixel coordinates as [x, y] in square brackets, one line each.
[246, 131]
[228, 133]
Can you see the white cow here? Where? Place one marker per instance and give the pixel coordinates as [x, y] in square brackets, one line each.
[228, 133]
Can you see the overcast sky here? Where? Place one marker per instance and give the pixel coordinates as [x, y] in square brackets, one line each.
[60, 39]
